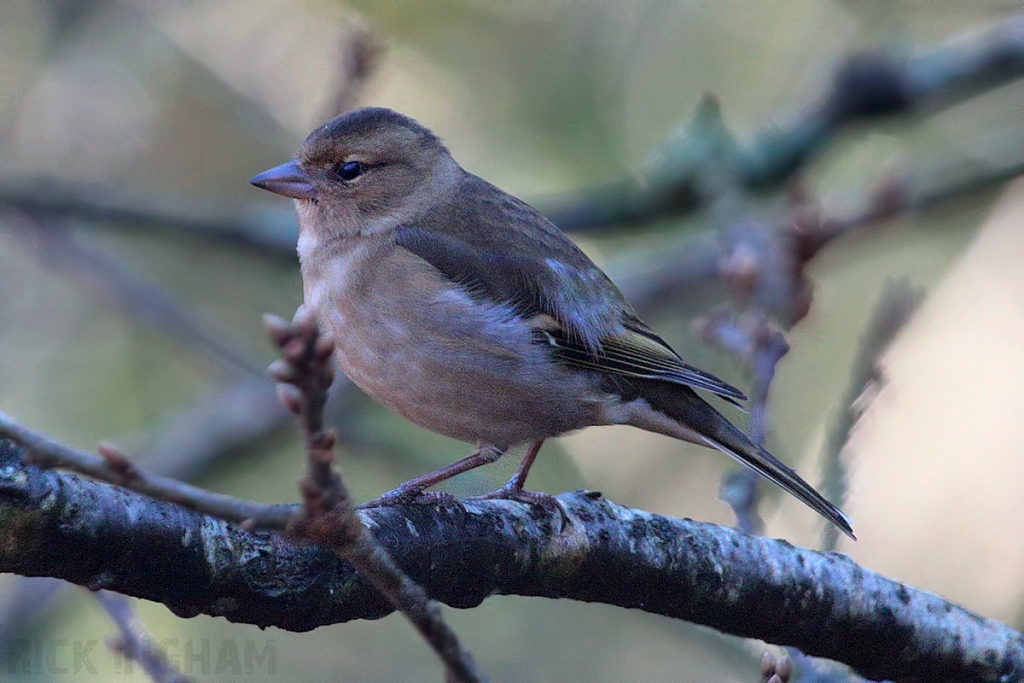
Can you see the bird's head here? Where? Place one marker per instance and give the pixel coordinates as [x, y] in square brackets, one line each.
[364, 172]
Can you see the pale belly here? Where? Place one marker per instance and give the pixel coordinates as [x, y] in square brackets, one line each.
[467, 404]
[442, 361]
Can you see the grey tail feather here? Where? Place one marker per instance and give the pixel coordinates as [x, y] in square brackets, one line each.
[699, 416]
[764, 463]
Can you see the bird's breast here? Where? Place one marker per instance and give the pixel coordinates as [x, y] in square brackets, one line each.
[462, 367]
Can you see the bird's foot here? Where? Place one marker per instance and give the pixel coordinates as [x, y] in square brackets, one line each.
[411, 496]
[545, 500]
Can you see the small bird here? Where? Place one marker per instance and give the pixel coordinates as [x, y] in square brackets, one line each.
[466, 311]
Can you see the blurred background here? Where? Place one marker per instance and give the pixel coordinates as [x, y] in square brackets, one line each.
[147, 332]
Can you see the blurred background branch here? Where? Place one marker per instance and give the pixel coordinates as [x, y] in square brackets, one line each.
[897, 303]
[866, 86]
[134, 642]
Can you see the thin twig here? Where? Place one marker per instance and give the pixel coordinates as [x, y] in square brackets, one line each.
[225, 419]
[329, 515]
[114, 468]
[270, 227]
[896, 305]
[333, 522]
[148, 302]
[776, 267]
[135, 642]
[758, 345]
[28, 600]
[906, 193]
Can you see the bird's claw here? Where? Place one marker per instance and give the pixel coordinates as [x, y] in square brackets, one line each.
[544, 500]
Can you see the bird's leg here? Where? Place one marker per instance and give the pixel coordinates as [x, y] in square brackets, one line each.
[518, 479]
[413, 490]
[513, 490]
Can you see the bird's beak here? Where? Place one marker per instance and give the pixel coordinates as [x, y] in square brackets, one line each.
[288, 180]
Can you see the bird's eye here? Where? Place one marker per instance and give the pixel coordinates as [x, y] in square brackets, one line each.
[350, 170]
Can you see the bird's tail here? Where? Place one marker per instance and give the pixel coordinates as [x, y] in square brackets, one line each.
[697, 421]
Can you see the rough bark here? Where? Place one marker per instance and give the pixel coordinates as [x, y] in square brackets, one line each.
[66, 526]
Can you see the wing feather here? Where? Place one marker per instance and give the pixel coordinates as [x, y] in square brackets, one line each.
[631, 355]
[578, 311]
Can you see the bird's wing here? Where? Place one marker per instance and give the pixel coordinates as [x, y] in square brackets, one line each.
[639, 352]
[492, 248]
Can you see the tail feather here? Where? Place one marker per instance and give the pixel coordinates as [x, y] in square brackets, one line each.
[770, 467]
[693, 419]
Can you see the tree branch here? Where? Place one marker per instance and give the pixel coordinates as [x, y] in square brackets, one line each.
[114, 281]
[749, 586]
[328, 516]
[135, 642]
[267, 226]
[865, 86]
[896, 305]
[758, 345]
